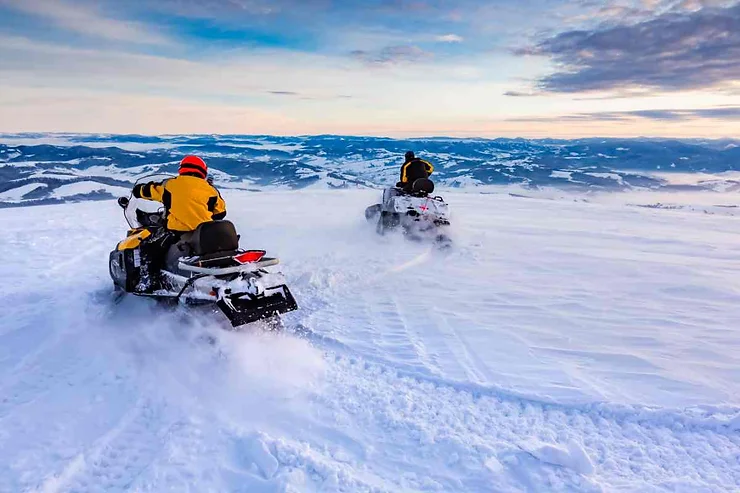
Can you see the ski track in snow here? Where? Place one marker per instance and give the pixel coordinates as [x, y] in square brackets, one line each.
[574, 353]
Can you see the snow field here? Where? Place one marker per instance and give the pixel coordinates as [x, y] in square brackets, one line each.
[560, 346]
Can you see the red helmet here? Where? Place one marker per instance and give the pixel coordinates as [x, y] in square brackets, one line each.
[194, 165]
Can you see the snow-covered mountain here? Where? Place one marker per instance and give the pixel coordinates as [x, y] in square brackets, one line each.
[48, 168]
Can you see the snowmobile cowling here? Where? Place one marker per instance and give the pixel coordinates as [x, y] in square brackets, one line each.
[134, 239]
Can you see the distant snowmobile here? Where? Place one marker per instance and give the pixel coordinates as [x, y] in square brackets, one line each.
[207, 268]
[419, 214]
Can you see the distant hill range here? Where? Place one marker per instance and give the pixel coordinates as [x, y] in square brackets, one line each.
[51, 168]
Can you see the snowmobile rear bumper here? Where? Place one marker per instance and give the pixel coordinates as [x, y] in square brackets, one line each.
[243, 308]
[221, 271]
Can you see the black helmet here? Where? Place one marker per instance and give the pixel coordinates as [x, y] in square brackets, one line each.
[409, 155]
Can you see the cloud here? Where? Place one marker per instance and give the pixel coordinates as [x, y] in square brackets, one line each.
[51, 109]
[671, 52]
[721, 113]
[519, 94]
[724, 113]
[309, 97]
[612, 13]
[253, 74]
[449, 38]
[87, 21]
[391, 55]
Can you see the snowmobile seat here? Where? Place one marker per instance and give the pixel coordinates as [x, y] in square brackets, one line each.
[422, 187]
[214, 237]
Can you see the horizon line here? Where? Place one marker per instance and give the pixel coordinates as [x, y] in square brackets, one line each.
[364, 136]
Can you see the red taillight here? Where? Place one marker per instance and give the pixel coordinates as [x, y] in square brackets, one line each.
[249, 256]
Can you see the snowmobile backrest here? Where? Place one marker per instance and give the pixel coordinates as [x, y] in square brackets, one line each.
[422, 186]
[214, 236]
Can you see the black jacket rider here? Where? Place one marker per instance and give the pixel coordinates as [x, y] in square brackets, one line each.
[412, 169]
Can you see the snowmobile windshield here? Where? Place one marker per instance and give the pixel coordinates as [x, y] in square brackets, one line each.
[145, 206]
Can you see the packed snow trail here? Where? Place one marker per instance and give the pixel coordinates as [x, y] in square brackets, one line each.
[560, 346]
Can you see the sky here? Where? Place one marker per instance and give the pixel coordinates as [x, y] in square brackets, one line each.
[399, 68]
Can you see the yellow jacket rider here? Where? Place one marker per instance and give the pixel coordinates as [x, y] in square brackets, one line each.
[413, 168]
[188, 199]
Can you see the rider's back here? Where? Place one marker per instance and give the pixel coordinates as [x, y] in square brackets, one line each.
[190, 201]
[412, 169]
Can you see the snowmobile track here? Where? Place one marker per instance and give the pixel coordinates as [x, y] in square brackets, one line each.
[116, 458]
[431, 415]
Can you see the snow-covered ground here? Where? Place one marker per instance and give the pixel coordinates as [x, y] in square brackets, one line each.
[561, 345]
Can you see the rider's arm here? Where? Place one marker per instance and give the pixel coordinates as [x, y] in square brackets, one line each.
[403, 173]
[217, 206]
[149, 191]
[429, 167]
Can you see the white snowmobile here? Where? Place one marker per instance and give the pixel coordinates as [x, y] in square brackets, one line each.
[204, 267]
[417, 212]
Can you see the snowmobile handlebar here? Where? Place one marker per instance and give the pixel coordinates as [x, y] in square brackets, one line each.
[123, 202]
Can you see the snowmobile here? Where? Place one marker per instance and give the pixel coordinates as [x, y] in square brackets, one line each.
[416, 211]
[205, 267]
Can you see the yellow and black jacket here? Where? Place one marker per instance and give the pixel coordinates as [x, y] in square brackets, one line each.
[188, 201]
[415, 169]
